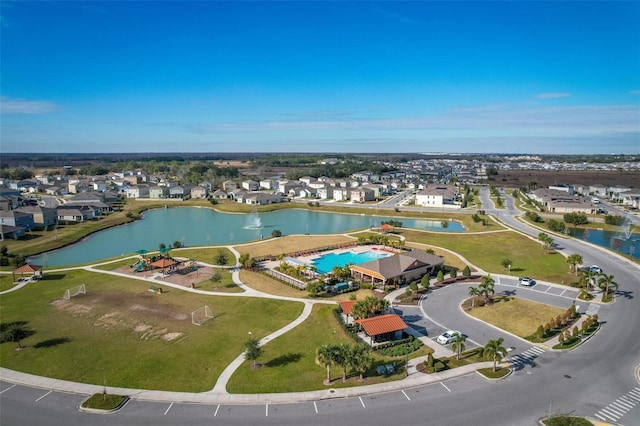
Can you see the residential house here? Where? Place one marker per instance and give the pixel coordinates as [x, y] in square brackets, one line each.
[229, 185]
[17, 219]
[199, 192]
[439, 196]
[260, 198]
[250, 185]
[220, 195]
[361, 195]
[76, 213]
[341, 194]
[180, 191]
[137, 191]
[598, 190]
[325, 193]
[43, 217]
[158, 192]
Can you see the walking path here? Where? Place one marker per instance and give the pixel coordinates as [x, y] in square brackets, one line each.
[219, 393]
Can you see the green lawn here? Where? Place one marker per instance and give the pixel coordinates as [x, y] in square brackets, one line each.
[487, 250]
[288, 363]
[137, 338]
[517, 316]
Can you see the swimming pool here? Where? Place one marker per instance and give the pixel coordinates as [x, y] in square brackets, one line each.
[325, 263]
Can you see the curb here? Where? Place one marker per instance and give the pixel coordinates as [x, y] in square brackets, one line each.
[496, 379]
[100, 411]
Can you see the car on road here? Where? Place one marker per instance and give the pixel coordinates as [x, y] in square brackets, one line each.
[526, 281]
[595, 269]
[446, 337]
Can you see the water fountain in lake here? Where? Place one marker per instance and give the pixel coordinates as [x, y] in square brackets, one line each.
[626, 229]
[254, 221]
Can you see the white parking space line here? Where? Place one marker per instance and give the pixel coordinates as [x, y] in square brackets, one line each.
[562, 292]
[44, 395]
[217, 408]
[10, 387]
[266, 410]
[445, 386]
[168, 408]
[361, 402]
[315, 406]
[407, 396]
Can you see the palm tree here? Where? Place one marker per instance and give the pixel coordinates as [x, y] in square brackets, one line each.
[487, 285]
[494, 350]
[457, 344]
[473, 292]
[574, 260]
[343, 358]
[588, 278]
[361, 359]
[605, 282]
[326, 355]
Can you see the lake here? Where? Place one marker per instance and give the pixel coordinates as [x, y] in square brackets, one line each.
[616, 241]
[193, 226]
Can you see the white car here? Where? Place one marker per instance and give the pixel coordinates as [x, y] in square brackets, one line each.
[446, 337]
[596, 269]
[526, 281]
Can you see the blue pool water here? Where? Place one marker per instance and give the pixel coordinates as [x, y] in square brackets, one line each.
[326, 262]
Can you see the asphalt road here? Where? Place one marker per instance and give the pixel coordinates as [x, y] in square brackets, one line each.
[596, 379]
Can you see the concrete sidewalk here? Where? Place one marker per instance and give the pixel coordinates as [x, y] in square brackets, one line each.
[415, 379]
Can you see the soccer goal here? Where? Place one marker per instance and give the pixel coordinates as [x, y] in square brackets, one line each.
[74, 291]
[201, 315]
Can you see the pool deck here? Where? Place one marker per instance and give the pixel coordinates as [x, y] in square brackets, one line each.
[308, 257]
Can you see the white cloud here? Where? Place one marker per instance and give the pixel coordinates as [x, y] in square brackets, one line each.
[25, 106]
[507, 119]
[552, 95]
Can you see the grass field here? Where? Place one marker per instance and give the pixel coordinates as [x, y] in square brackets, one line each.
[487, 250]
[517, 316]
[137, 338]
[288, 363]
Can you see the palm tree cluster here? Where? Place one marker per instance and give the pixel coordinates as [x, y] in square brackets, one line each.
[574, 260]
[369, 307]
[486, 288]
[344, 355]
[605, 282]
[546, 240]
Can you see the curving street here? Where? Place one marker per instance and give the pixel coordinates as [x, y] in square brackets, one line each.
[597, 379]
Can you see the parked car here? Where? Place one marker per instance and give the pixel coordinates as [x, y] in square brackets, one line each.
[526, 281]
[595, 269]
[446, 337]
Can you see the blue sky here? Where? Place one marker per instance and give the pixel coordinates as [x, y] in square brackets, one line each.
[421, 76]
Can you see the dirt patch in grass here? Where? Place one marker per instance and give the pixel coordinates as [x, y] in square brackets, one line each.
[134, 312]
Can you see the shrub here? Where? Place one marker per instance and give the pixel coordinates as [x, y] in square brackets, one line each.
[575, 331]
[466, 271]
[547, 329]
[561, 339]
[453, 273]
[611, 219]
[556, 225]
[440, 277]
[540, 332]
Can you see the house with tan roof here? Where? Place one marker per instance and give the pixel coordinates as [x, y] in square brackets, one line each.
[397, 269]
